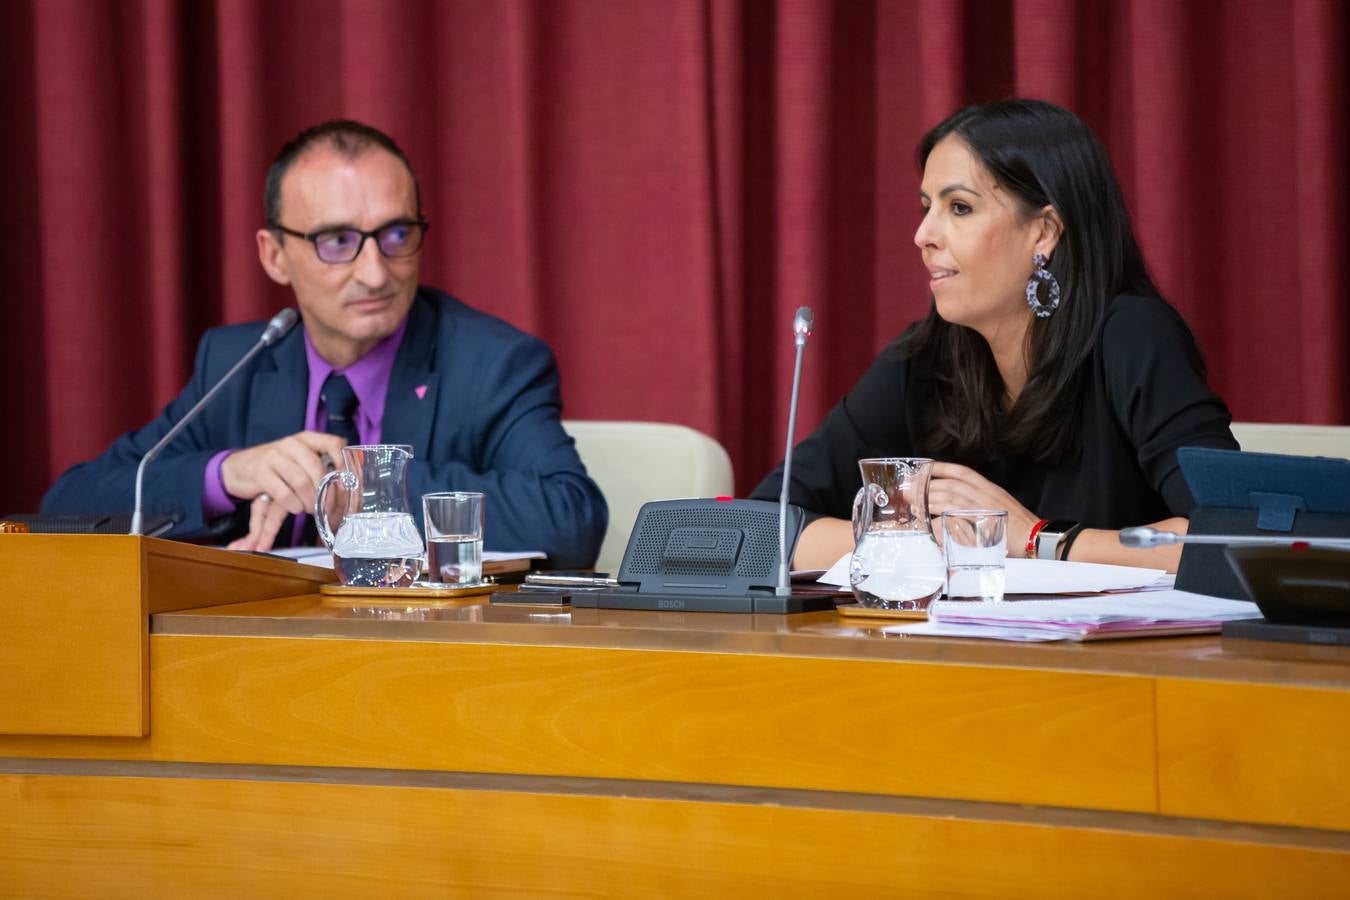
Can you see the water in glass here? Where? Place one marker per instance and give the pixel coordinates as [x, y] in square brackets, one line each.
[455, 559]
[980, 583]
[976, 544]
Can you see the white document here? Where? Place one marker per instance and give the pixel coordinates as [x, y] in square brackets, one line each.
[996, 632]
[321, 557]
[1053, 576]
[298, 552]
[1082, 618]
[1138, 608]
[500, 555]
[838, 573]
[1047, 576]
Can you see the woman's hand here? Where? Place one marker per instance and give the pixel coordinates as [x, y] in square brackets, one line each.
[958, 487]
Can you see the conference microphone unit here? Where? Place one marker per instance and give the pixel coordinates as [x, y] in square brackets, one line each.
[801, 331]
[276, 329]
[720, 554]
[1144, 537]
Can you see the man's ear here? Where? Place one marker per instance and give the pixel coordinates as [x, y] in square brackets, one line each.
[1051, 230]
[273, 257]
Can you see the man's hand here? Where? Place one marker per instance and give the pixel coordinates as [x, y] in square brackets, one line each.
[280, 479]
[264, 521]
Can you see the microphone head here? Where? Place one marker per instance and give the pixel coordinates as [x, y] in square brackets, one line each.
[802, 322]
[281, 323]
[1142, 538]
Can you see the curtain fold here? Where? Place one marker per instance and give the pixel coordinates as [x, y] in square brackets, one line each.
[651, 187]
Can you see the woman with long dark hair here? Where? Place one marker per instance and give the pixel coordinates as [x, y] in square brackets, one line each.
[1049, 378]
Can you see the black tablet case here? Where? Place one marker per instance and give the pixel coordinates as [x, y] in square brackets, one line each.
[1256, 494]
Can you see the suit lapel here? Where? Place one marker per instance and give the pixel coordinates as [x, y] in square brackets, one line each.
[410, 406]
[277, 396]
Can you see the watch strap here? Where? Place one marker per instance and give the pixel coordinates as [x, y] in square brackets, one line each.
[1049, 536]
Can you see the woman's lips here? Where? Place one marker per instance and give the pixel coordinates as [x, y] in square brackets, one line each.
[939, 276]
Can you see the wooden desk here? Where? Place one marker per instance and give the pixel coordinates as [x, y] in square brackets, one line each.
[297, 747]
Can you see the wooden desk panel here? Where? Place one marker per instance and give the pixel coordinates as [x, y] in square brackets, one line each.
[73, 648]
[184, 576]
[771, 707]
[74, 633]
[823, 634]
[980, 733]
[170, 837]
[1254, 753]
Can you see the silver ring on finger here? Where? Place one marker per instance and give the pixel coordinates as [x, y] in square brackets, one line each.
[264, 497]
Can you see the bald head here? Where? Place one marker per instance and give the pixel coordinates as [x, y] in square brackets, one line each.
[344, 137]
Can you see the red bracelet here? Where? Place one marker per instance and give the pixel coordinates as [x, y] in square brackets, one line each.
[1031, 538]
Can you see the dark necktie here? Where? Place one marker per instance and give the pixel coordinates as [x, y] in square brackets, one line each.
[339, 400]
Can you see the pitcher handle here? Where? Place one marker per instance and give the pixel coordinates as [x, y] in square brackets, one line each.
[873, 494]
[928, 518]
[348, 480]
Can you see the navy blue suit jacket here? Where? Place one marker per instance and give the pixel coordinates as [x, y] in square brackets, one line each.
[488, 421]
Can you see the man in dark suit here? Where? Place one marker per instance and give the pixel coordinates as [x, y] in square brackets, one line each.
[379, 360]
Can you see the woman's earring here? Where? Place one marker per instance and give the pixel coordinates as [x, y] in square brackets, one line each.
[1041, 275]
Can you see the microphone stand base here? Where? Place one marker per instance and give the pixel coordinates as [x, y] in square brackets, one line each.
[770, 604]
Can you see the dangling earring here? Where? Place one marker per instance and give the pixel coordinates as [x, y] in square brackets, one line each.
[1041, 275]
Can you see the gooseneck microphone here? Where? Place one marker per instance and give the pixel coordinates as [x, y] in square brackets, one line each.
[276, 329]
[1143, 537]
[801, 330]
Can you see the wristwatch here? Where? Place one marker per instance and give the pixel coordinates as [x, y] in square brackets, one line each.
[1049, 537]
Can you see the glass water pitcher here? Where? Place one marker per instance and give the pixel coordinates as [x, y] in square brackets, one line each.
[377, 543]
[896, 562]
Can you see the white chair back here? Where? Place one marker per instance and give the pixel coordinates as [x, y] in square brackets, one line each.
[1296, 440]
[634, 462]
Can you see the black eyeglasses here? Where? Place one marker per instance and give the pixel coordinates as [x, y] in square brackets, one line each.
[397, 239]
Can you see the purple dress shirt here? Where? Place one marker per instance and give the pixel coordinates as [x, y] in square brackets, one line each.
[369, 378]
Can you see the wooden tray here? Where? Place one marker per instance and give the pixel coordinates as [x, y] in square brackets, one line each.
[407, 596]
[857, 610]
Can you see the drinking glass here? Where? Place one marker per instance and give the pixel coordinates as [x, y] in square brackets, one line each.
[454, 528]
[975, 542]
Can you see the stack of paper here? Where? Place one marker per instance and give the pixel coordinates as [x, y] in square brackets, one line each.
[1137, 614]
[320, 556]
[1049, 576]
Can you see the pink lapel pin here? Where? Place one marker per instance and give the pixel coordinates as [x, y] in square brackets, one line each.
[420, 391]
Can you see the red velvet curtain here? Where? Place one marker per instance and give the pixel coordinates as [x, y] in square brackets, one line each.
[651, 185]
